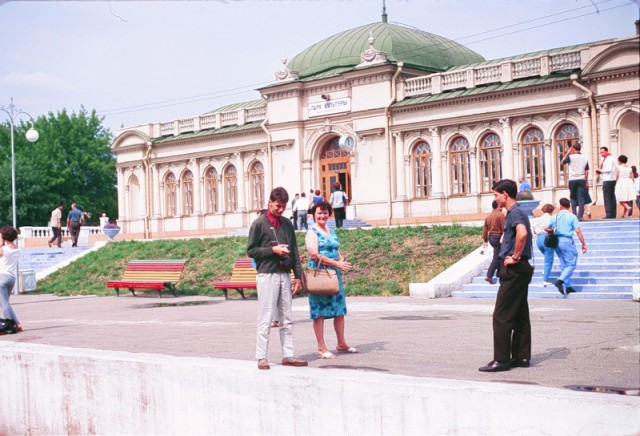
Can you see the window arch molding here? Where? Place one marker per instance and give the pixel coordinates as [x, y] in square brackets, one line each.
[490, 149]
[187, 186]
[564, 135]
[211, 189]
[532, 156]
[421, 153]
[459, 162]
[230, 181]
[256, 172]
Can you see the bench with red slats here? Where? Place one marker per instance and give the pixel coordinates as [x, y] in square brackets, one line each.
[151, 275]
[243, 277]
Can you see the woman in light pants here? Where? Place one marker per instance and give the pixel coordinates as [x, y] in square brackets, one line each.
[9, 256]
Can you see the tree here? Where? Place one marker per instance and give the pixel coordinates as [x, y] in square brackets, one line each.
[70, 163]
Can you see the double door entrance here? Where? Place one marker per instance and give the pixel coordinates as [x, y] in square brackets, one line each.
[335, 166]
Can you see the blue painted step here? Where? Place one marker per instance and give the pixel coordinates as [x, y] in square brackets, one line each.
[609, 269]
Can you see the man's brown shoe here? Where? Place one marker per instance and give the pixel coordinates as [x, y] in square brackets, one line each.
[263, 364]
[294, 361]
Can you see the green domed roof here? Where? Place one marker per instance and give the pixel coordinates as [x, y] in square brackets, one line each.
[414, 47]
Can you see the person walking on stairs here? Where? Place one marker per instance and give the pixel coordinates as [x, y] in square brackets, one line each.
[491, 233]
[566, 225]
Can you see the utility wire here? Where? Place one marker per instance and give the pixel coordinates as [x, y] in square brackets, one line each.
[250, 88]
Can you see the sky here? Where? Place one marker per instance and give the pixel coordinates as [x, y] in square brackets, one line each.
[155, 61]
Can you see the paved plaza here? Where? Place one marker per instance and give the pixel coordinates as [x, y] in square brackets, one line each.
[575, 342]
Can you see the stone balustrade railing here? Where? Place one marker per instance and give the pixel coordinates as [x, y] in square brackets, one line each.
[45, 232]
[499, 72]
[209, 121]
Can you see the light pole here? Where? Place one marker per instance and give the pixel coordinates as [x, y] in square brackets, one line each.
[32, 136]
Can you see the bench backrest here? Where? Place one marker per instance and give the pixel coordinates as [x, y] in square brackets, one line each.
[244, 272]
[154, 270]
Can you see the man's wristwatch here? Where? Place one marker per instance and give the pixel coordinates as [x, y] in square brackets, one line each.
[517, 259]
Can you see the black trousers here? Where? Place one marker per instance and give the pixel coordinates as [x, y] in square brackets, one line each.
[57, 234]
[74, 231]
[339, 214]
[494, 241]
[609, 193]
[511, 324]
[578, 193]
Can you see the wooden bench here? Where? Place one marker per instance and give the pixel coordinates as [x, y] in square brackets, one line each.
[243, 277]
[150, 275]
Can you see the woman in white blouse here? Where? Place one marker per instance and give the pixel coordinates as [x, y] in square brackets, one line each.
[539, 225]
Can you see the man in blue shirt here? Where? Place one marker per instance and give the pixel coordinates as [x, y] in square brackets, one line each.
[524, 185]
[74, 220]
[511, 324]
[566, 224]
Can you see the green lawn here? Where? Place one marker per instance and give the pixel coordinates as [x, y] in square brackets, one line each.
[386, 260]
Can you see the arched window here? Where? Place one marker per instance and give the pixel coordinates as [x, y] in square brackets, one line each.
[460, 166]
[422, 178]
[230, 189]
[136, 205]
[170, 195]
[211, 178]
[257, 186]
[490, 161]
[187, 193]
[566, 135]
[533, 158]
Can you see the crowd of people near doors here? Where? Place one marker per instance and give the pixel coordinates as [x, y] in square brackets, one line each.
[301, 206]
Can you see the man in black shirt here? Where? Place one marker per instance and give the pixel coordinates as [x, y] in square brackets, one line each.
[511, 324]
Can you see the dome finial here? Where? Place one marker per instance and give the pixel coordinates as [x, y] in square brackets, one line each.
[384, 11]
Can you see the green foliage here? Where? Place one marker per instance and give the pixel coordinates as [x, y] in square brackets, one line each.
[524, 195]
[386, 260]
[70, 163]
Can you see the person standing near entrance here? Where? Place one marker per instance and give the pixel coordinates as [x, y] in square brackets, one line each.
[491, 233]
[272, 243]
[566, 224]
[578, 178]
[511, 324]
[294, 212]
[300, 209]
[338, 200]
[607, 172]
[75, 219]
[56, 225]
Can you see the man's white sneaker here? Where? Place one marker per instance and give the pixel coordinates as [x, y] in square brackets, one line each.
[547, 283]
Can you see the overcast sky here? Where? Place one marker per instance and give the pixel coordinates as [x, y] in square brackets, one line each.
[153, 61]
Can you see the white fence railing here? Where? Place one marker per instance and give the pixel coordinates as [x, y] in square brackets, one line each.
[45, 232]
[499, 72]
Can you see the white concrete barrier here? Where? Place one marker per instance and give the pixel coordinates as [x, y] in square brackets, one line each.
[58, 390]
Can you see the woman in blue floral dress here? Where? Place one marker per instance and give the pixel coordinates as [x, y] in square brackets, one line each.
[323, 245]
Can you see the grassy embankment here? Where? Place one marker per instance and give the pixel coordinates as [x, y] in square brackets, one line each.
[386, 260]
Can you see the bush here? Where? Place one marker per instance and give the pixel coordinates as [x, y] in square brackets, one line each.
[524, 195]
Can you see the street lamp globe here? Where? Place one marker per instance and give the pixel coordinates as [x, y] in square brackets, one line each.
[32, 135]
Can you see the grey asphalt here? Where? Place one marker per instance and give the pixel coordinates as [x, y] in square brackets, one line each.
[575, 342]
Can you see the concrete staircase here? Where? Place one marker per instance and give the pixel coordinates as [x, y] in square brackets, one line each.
[609, 269]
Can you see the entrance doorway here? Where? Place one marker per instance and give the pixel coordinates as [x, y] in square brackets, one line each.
[335, 166]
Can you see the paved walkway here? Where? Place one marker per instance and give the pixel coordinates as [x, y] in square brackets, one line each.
[575, 342]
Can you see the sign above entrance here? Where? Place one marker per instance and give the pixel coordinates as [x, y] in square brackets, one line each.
[330, 107]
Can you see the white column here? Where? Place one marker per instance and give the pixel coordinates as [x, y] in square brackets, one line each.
[155, 189]
[517, 168]
[178, 198]
[549, 173]
[242, 180]
[197, 182]
[507, 147]
[437, 163]
[267, 174]
[603, 110]
[121, 195]
[473, 174]
[401, 189]
[127, 203]
[587, 141]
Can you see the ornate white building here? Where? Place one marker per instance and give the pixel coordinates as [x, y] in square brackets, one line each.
[412, 124]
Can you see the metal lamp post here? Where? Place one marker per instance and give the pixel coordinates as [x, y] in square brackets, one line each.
[32, 136]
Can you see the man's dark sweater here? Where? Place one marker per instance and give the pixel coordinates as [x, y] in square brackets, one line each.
[260, 241]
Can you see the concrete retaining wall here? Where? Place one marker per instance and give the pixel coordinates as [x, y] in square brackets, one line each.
[57, 390]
